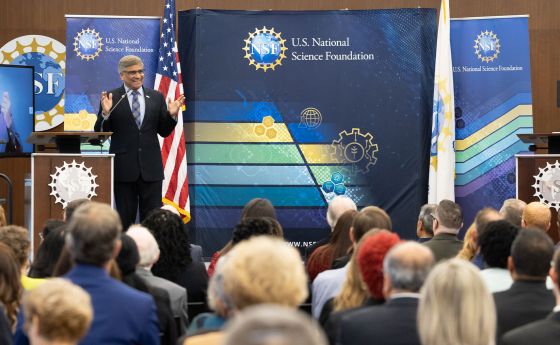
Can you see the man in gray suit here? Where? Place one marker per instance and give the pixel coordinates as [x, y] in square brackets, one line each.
[448, 220]
[149, 255]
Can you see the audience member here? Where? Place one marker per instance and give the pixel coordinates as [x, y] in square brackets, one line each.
[470, 247]
[512, 211]
[93, 240]
[495, 247]
[149, 252]
[448, 220]
[370, 264]
[405, 268]
[456, 306]
[545, 331]
[127, 260]
[71, 207]
[5, 330]
[175, 262]
[48, 253]
[57, 312]
[536, 215]
[481, 220]
[528, 299]
[17, 239]
[339, 245]
[329, 283]
[10, 286]
[273, 325]
[256, 208]
[196, 250]
[50, 225]
[337, 206]
[260, 270]
[424, 226]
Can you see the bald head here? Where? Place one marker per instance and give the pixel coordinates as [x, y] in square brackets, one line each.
[338, 205]
[536, 215]
[406, 267]
[485, 216]
[147, 245]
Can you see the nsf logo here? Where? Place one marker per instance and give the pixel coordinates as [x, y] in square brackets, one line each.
[487, 46]
[264, 48]
[87, 44]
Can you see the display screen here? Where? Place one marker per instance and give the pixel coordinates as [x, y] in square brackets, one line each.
[16, 109]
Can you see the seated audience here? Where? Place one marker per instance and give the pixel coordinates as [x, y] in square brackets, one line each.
[547, 330]
[369, 260]
[339, 244]
[329, 283]
[50, 225]
[337, 206]
[471, 250]
[57, 312]
[456, 306]
[448, 220]
[48, 253]
[512, 211]
[175, 263]
[17, 239]
[10, 287]
[536, 215]
[149, 253]
[495, 247]
[528, 299]
[470, 247]
[71, 207]
[273, 325]
[405, 268]
[260, 270]
[196, 250]
[424, 226]
[256, 208]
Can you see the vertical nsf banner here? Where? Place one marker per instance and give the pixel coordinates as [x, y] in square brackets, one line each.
[299, 107]
[94, 45]
[491, 72]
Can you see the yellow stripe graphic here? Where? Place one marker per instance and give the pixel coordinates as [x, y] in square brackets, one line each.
[237, 132]
[318, 154]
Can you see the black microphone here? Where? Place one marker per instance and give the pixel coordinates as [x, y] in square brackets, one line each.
[112, 108]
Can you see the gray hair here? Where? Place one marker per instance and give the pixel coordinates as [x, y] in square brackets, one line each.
[127, 61]
[273, 325]
[426, 216]
[338, 205]
[93, 233]
[512, 210]
[147, 245]
[408, 265]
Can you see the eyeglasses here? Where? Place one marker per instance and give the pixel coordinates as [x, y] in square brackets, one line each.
[133, 73]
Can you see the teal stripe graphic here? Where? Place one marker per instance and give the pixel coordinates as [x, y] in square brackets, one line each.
[243, 154]
[251, 175]
[239, 196]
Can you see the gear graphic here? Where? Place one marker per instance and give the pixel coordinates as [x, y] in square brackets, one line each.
[487, 41]
[93, 38]
[270, 43]
[547, 185]
[355, 148]
[72, 181]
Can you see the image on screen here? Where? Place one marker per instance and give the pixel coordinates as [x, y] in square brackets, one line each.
[16, 109]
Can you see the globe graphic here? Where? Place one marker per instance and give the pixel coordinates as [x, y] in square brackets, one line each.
[265, 48]
[46, 70]
[311, 117]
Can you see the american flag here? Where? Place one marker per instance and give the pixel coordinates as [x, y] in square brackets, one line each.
[175, 191]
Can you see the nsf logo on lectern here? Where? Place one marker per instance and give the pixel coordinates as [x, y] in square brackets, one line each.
[264, 48]
[87, 44]
[487, 46]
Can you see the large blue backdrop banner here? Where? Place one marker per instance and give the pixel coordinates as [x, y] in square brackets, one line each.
[492, 80]
[94, 46]
[299, 107]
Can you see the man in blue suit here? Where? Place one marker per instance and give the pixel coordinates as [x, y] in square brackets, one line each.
[122, 315]
[136, 115]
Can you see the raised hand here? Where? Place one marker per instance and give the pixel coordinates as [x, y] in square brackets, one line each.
[106, 102]
[174, 106]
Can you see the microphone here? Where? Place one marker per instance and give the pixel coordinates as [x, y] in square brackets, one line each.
[113, 108]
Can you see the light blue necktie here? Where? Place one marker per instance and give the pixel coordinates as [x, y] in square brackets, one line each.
[136, 108]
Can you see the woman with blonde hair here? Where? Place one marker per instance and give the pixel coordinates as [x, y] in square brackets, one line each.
[456, 306]
[468, 252]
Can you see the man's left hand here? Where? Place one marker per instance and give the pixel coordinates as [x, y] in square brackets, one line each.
[174, 106]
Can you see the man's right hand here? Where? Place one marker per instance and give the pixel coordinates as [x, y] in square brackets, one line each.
[106, 102]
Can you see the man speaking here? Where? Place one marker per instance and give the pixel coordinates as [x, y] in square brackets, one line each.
[136, 115]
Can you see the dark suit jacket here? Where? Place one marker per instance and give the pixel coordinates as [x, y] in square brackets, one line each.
[542, 332]
[391, 323]
[526, 301]
[444, 246]
[137, 151]
[122, 315]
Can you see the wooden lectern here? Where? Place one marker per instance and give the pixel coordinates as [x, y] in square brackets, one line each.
[58, 178]
[536, 177]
